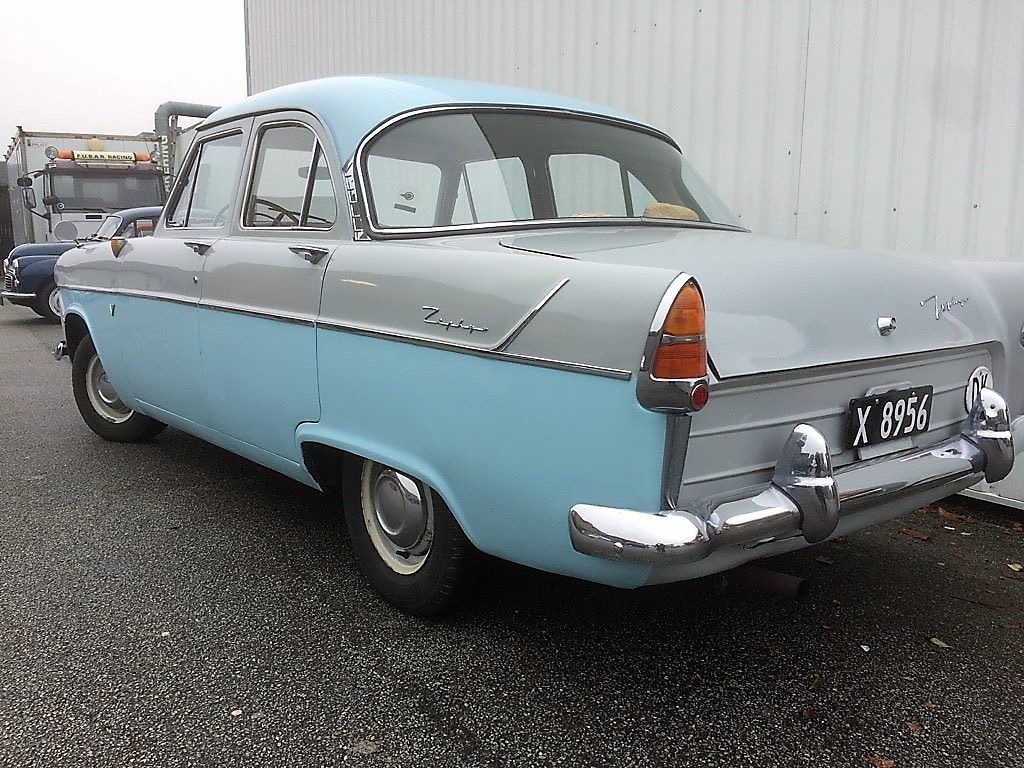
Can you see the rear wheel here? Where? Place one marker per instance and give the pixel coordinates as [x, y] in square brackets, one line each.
[48, 302]
[101, 408]
[405, 539]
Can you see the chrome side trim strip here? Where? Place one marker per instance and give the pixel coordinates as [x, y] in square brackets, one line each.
[562, 365]
[542, 362]
[262, 314]
[502, 345]
[139, 294]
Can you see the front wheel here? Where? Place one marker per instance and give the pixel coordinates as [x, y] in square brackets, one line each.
[47, 303]
[101, 408]
[406, 541]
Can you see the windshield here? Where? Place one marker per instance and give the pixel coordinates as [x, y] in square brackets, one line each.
[107, 229]
[454, 170]
[99, 191]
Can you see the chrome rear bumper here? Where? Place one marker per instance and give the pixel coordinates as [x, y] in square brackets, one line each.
[805, 497]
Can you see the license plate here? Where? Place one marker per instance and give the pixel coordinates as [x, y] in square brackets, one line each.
[890, 415]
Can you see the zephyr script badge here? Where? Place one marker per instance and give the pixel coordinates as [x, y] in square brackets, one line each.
[944, 306]
[434, 317]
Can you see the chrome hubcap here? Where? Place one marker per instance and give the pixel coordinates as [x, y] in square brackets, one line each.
[102, 396]
[399, 516]
[54, 301]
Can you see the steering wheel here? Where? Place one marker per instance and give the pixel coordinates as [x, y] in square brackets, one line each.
[282, 213]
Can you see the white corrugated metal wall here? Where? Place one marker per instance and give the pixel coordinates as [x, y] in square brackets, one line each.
[894, 124]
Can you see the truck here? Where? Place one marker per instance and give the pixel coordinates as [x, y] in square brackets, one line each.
[62, 185]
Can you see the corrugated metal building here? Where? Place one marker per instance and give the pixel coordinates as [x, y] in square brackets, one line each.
[891, 124]
[881, 124]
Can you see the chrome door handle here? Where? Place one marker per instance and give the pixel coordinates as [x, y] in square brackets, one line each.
[310, 253]
[197, 246]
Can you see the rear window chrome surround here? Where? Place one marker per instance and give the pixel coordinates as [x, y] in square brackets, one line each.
[361, 200]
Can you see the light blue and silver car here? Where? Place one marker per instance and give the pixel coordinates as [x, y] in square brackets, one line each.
[509, 321]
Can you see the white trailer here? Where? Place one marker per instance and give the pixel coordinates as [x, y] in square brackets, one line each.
[62, 185]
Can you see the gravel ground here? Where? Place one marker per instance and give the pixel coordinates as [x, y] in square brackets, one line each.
[170, 604]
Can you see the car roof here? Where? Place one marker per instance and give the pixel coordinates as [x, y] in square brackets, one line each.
[350, 107]
[145, 212]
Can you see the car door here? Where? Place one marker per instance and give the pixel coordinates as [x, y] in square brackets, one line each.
[261, 290]
[159, 278]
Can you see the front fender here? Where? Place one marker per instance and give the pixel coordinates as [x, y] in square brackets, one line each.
[36, 273]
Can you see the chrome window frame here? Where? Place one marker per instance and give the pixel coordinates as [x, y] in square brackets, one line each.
[250, 177]
[195, 151]
[365, 227]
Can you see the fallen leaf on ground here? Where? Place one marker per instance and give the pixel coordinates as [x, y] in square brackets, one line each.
[1018, 625]
[1018, 528]
[951, 517]
[816, 683]
[914, 727]
[929, 704]
[363, 748]
[1016, 567]
[959, 555]
[877, 761]
[914, 533]
[939, 644]
[809, 713]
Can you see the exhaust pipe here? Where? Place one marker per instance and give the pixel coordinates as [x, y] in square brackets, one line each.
[766, 580]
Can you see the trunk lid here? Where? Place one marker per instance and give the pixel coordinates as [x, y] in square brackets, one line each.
[775, 304]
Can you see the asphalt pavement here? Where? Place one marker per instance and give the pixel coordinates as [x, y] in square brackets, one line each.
[171, 604]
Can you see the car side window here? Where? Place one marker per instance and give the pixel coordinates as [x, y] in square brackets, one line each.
[207, 192]
[587, 185]
[405, 192]
[291, 185]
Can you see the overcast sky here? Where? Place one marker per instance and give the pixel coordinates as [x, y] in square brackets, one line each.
[104, 66]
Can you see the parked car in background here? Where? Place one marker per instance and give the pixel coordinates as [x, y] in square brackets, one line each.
[28, 270]
[508, 320]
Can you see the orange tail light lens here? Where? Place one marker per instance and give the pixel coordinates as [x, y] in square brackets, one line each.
[682, 352]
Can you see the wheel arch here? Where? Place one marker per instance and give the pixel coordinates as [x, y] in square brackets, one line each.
[75, 329]
[327, 453]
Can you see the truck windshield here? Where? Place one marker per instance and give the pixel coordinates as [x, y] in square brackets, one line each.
[511, 167]
[105, 191]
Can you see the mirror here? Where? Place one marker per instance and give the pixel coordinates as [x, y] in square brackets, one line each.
[50, 200]
[322, 172]
[65, 231]
[24, 182]
[30, 197]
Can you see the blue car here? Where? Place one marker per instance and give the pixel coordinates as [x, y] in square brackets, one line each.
[28, 270]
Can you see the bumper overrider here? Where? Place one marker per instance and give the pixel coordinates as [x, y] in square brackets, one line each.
[805, 496]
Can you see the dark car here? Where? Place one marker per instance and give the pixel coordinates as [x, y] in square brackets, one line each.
[28, 270]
